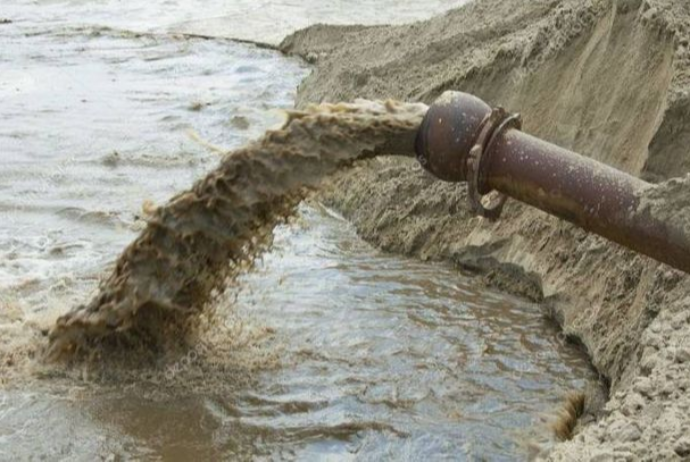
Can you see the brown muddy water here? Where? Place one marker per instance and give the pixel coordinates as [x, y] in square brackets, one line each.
[342, 353]
[329, 349]
[202, 239]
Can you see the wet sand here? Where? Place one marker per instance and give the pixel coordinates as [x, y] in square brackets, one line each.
[607, 79]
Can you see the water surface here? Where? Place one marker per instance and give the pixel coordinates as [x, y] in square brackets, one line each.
[361, 355]
[369, 356]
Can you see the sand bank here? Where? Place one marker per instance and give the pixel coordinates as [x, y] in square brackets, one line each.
[609, 79]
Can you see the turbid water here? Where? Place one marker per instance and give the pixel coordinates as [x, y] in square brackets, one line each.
[197, 243]
[328, 349]
[340, 351]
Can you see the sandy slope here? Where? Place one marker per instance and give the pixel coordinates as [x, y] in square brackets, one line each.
[607, 78]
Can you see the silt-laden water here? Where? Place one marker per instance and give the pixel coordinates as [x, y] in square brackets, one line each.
[329, 349]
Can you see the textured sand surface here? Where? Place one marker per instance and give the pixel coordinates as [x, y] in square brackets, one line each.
[609, 79]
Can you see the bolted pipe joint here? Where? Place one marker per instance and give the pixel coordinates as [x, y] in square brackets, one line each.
[455, 141]
[463, 139]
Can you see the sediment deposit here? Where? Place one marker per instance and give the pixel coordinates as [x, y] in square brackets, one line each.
[607, 78]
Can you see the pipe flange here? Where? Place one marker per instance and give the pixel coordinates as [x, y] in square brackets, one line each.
[491, 128]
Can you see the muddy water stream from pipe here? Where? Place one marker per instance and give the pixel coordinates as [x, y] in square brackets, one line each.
[328, 349]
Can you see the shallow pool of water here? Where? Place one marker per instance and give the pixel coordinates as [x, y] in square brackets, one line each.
[370, 357]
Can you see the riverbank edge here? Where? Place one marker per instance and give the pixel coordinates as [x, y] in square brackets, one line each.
[628, 311]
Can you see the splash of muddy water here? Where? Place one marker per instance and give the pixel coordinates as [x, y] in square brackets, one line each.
[206, 236]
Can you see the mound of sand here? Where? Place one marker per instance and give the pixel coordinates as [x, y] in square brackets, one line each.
[606, 78]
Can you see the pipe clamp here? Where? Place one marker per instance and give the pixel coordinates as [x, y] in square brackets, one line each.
[492, 127]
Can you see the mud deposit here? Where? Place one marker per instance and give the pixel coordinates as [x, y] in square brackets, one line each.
[609, 79]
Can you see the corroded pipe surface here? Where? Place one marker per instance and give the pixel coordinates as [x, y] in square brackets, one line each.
[463, 139]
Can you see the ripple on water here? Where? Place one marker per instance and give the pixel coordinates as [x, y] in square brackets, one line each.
[367, 356]
[333, 350]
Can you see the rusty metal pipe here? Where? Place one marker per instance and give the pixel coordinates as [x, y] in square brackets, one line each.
[463, 139]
